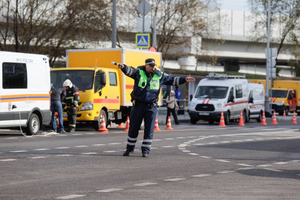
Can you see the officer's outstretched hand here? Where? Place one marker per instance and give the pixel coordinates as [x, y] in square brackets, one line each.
[190, 79]
[120, 66]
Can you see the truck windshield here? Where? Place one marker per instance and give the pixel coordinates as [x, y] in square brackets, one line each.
[82, 79]
[217, 92]
[279, 93]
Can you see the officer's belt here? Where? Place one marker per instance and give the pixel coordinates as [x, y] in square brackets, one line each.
[151, 105]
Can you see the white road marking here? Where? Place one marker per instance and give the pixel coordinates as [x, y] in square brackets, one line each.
[169, 138]
[201, 175]
[89, 153]
[205, 157]
[264, 165]
[39, 157]
[98, 145]
[167, 146]
[110, 190]
[221, 160]
[64, 155]
[225, 172]
[19, 151]
[109, 151]
[81, 146]
[281, 163]
[43, 149]
[72, 196]
[62, 148]
[7, 160]
[145, 184]
[194, 154]
[180, 138]
[245, 165]
[114, 143]
[174, 179]
[186, 151]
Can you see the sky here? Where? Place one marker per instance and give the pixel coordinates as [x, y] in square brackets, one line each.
[240, 5]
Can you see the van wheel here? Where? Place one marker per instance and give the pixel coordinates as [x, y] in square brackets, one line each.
[97, 124]
[211, 121]
[33, 125]
[227, 118]
[193, 120]
[259, 117]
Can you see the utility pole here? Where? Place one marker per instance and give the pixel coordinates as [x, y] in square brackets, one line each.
[268, 64]
[114, 26]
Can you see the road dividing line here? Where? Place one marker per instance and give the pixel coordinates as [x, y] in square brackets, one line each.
[39, 157]
[110, 190]
[7, 160]
[98, 145]
[244, 165]
[145, 184]
[43, 149]
[19, 151]
[273, 170]
[89, 153]
[201, 175]
[221, 160]
[72, 196]
[81, 146]
[225, 172]
[193, 154]
[62, 148]
[174, 179]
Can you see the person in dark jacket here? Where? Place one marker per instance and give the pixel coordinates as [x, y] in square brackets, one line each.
[57, 96]
[71, 101]
[144, 97]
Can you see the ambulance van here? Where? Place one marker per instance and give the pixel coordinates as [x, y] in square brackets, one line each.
[24, 91]
[216, 93]
[256, 104]
[104, 90]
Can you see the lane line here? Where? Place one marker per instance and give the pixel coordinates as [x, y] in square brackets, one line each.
[72, 196]
[174, 179]
[110, 190]
[145, 184]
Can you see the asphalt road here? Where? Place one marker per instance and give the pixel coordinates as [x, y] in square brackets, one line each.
[189, 162]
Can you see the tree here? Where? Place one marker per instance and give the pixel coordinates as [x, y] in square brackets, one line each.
[284, 22]
[51, 26]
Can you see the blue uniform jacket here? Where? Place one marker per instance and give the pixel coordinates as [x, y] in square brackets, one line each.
[150, 96]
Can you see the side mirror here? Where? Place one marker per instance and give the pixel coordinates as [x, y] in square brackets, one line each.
[251, 100]
[191, 97]
[102, 79]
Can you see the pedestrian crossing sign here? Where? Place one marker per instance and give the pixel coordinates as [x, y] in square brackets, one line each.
[142, 40]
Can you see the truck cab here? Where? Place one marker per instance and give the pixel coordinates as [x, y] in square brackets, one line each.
[283, 100]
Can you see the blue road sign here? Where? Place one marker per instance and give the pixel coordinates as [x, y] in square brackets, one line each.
[142, 40]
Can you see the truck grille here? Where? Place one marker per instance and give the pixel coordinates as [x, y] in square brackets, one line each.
[205, 107]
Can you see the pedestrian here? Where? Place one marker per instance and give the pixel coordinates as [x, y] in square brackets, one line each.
[177, 95]
[144, 97]
[57, 96]
[71, 101]
[171, 106]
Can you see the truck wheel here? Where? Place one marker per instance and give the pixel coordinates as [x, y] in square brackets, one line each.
[227, 118]
[193, 120]
[259, 117]
[33, 125]
[286, 111]
[97, 124]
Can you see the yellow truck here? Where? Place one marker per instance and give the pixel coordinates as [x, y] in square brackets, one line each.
[104, 89]
[284, 96]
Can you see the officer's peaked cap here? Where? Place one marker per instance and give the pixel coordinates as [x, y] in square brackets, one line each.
[150, 61]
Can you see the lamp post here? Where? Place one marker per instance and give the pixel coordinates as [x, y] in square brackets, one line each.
[114, 27]
[268, 64]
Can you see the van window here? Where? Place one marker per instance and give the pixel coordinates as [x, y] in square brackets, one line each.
[112, 78]
[238, 91]
[218, 92]
[14, 75]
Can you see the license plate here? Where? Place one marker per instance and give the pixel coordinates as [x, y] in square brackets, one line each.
[204, 113]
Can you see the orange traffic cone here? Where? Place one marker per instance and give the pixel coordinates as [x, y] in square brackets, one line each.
[222, 123]
[156, 128]
[169, 127]
[294, 121]
[241, 122]
[274, 121]
[284, 114]
[127, 124]
[103, 128]
[120, 125]
[263, 120]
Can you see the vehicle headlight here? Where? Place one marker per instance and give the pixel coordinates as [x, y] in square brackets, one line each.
[87, 106]
[220, 105]
[192, 105]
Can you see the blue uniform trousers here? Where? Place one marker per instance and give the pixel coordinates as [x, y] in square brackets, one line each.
[139, 112]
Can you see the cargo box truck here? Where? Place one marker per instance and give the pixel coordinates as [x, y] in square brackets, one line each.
[104, 89]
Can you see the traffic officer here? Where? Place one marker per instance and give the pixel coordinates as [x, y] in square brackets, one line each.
[144, 97]
[71, 101]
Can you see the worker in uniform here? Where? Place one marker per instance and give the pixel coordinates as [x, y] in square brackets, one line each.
[71, 101]
[144, 97]
[57, 96]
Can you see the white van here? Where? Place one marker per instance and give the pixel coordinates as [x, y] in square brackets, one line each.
[256, 104]
[216, 93]
[24, 91]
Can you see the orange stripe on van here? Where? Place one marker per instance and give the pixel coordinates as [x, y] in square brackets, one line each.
[25, 97]
[129, 87]
[106, 101]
